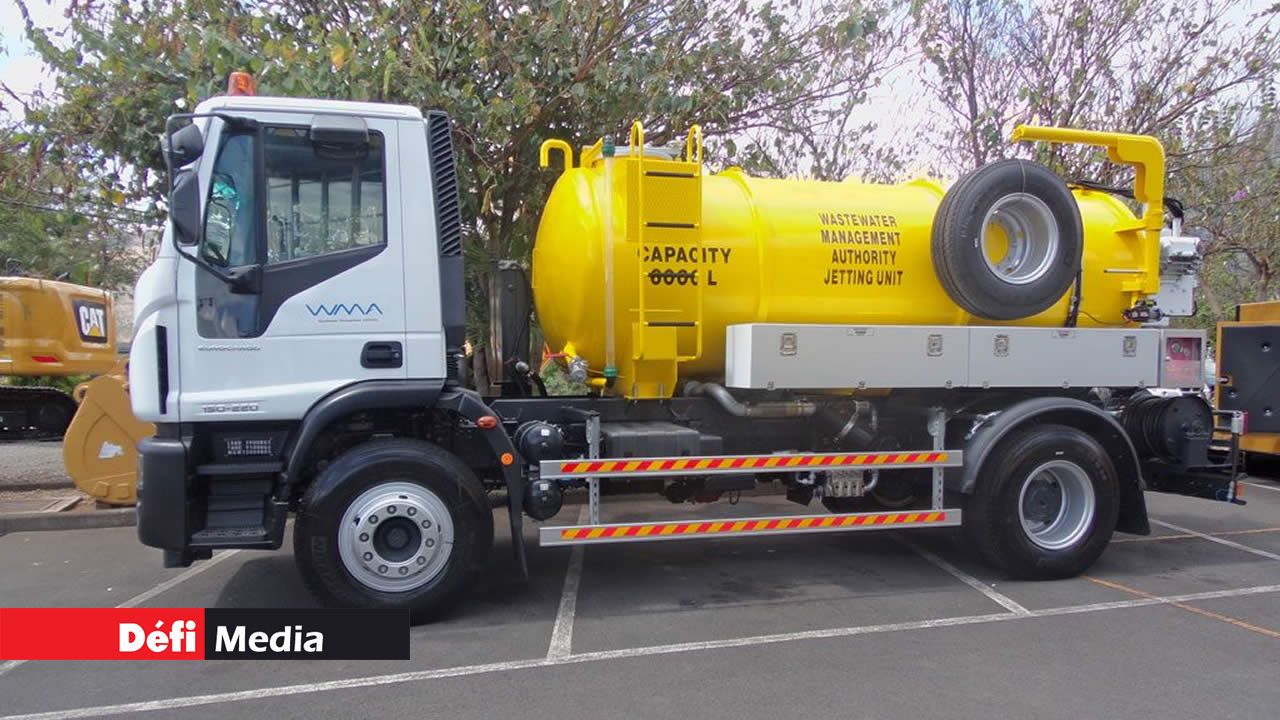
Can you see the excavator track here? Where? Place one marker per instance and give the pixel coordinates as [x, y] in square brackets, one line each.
[34, 412]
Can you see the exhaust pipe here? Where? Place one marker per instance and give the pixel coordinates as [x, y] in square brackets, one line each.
[731, 405]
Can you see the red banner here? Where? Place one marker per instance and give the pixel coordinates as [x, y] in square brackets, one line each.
[203, 634]
[101, 633]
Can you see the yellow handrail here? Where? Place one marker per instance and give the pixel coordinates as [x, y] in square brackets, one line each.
[544, 153]
[635, 149]
[693, 145]
[636, 141]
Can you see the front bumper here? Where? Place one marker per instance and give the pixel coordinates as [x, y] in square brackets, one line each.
[164, 485]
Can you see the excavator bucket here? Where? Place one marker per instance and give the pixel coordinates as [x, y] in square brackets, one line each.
[100, 446]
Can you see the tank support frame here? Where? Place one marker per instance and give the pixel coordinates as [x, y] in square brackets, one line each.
[591, 469]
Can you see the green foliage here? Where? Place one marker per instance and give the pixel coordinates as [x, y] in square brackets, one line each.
[65, 384]
[49, 228]
[776, 85]
[511, 74]
[558, 382]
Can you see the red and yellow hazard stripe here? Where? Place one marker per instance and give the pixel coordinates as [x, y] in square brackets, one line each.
[748, 462]
[763, 525]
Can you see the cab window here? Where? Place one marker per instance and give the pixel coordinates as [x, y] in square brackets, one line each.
[318, 202]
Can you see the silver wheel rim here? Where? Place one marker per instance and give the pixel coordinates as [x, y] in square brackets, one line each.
[395, 537]
[1032, 231]
[1056, 505]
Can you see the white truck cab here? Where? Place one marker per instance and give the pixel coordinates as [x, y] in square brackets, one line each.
[328, 235]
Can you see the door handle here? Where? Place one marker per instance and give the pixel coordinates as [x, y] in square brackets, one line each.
[382, 355]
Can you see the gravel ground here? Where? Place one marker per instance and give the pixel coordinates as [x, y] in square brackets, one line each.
[32, 462]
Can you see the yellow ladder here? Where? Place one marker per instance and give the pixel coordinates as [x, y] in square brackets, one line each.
[664, 211]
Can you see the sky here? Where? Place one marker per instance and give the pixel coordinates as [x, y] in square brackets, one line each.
[898, 105]
[20, 69]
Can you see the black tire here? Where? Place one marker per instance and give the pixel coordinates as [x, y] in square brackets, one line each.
[377, 463]
[959, 254]
[54, 415]
[993, 515]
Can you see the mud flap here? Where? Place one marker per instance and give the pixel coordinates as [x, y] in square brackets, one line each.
[468, 404]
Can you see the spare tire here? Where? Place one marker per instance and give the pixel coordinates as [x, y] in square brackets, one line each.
[1007, 240]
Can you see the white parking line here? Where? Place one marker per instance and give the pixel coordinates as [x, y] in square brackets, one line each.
[562, 632]
[142, 597]
[1000, 598]
[407, 677]
[1220, 541]
[1260, 486]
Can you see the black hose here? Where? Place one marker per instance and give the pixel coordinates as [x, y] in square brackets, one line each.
[1172, 204]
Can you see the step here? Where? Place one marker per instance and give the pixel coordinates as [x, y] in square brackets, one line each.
[234, 469]
[231, 537]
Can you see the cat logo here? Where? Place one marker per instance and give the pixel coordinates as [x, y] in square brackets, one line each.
[91, 321]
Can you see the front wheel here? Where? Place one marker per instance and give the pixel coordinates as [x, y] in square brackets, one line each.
[1046, 503]
[393, 524]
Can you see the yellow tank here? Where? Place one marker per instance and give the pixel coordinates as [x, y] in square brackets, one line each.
[692, 253]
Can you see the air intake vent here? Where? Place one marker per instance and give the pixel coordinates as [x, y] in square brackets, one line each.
[453, 300]
[444, 178]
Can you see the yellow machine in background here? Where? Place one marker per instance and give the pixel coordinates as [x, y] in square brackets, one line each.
[49, 328]
[664, 256]
[100, 447]
[1248, 372]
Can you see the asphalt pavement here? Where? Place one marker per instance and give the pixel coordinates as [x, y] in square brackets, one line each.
[874, 624]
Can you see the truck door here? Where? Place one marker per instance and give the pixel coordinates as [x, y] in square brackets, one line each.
[317, 223]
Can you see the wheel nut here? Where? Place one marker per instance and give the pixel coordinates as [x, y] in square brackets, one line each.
[412, 511]
[373, 519]
[426, 523]
[430, 542]
[368, 556]
[391, 510]
[364, 537]
[382, 569]
[422, 560]
[404, 571]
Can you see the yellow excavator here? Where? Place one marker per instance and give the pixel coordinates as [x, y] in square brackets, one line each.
[50, 328]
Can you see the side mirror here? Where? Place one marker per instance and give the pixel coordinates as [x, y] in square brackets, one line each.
[184, 207]
[182, 146]
[340, 136]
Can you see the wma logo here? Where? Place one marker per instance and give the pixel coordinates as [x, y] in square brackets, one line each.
[344, 310]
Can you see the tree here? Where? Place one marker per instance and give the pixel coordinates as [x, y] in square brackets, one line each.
[965, 43]
[1197, 75]
[1236, 186]
[1141, 66]
[511, 74]
[51, 227]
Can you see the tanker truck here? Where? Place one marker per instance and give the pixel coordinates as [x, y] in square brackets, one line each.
[888, 356]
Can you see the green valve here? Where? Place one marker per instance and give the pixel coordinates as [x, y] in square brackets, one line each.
[608, 150]
[610, 372]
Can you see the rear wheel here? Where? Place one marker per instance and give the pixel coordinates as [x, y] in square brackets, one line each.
[1046, 504]
[393, 524]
